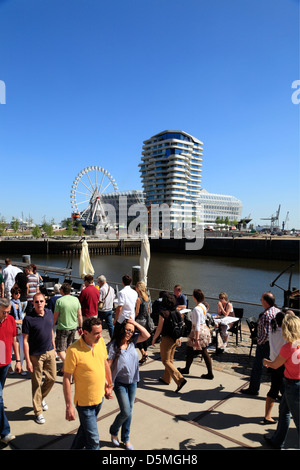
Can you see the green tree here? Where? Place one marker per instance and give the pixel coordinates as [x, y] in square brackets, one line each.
[15, 224]
[48, 229]
[36, 231]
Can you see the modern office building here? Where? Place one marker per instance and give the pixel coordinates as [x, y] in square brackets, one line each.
[171, 171]
[220, 206]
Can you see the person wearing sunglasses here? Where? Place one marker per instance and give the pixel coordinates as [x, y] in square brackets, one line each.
[123, 359]
[39, 351]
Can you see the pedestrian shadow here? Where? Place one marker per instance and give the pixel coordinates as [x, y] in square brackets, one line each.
[21, 414]
[218, 420]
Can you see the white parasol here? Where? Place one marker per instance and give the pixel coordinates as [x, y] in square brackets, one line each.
[144, 259]
[85, 265]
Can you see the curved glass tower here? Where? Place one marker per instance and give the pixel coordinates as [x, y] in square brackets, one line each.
[171, 171]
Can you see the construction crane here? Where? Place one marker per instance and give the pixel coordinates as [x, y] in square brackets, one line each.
[274, 219]
[284, 224]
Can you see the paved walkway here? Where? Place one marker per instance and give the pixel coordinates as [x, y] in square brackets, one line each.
[204, 415]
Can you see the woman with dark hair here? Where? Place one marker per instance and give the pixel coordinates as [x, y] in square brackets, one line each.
[168, 317]
[123, 359]
[199, 337]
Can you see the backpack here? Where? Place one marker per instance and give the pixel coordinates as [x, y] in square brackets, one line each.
[176, 328]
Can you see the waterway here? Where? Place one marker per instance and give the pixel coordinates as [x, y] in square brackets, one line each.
[243, 279]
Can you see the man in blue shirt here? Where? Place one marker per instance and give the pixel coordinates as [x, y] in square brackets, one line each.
[180, 298]
[39, 351]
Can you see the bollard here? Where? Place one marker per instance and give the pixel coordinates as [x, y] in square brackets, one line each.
[136, 274]
[26, 259]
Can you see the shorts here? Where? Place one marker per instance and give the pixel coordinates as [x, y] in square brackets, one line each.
[63, 339]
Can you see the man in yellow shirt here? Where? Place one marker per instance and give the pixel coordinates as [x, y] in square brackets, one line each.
[86, 360]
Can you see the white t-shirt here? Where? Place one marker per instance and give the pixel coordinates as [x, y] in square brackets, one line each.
[107, 299]
[127, 299]
[276, 342]
[9, 273]
[198, 316]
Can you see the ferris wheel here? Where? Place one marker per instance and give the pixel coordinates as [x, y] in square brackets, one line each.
[87, 191]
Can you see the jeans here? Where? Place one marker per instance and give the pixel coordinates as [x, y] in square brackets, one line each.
[262, 352]
[107, 317]
[289, 405]
[4, 424]
[87, 436]
[125, 394]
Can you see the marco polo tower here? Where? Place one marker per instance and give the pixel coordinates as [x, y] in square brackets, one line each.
[171, 172]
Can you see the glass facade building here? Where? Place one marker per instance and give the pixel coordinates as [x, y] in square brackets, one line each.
[171, 171]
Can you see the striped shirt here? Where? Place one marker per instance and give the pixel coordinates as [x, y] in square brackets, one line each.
[32, 285]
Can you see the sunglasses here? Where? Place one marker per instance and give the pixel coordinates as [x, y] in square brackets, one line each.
[129, 332]
[39, 301]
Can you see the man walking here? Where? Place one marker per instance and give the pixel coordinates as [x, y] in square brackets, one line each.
[67, 314]
[8, 340]
[106, 303]
[126, 302]
[9, 273]
[39, 351]
[86, 361]
[89, 298]
[263, 347]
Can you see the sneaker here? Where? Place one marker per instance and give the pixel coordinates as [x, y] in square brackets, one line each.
[44, 405]
[10, 370]
[40, 419]
[6, 439]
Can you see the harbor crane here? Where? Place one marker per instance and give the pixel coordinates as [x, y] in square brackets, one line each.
[284, 224]
[274, 219]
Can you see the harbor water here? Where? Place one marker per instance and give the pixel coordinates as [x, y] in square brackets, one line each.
[244, 280]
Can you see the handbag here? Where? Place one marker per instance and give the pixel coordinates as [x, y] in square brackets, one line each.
[101, 303]
[150, 324]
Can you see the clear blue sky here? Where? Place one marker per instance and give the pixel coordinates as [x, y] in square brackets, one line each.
[87, 81]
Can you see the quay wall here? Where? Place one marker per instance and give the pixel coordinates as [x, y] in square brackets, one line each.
[244, 247]
[67, 246]
[275, 248]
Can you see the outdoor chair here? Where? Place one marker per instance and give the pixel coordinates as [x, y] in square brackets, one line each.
[76, 286]
[252, 324]
[47, 287]
[236, 328]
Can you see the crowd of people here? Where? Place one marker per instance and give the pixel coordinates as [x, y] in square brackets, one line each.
[66, 326]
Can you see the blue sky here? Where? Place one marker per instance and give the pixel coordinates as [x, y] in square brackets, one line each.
[87, 81]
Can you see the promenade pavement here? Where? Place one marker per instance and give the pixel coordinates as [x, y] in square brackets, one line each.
[204, 415]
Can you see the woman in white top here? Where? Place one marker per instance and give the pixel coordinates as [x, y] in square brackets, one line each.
[225, 309]
[199, 337]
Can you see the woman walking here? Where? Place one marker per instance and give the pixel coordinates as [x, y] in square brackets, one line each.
[199, 337]
[142, 311]
[276, 342]
[124, 362]
[289, 356]
[166, 326]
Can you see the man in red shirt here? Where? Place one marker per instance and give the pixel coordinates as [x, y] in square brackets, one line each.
[89, 298]
[8, 340]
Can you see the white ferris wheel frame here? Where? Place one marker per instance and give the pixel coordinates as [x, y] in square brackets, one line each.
[94, 193]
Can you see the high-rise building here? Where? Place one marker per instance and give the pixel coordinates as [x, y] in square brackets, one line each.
[171, 173]
[171, 170]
